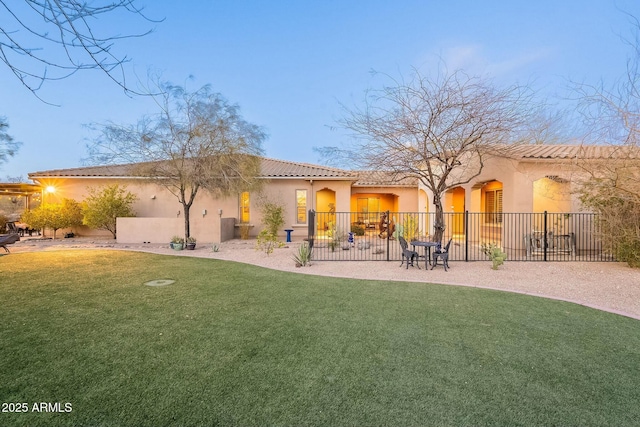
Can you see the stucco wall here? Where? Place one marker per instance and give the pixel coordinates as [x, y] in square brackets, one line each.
[518, 179]
[160, 230]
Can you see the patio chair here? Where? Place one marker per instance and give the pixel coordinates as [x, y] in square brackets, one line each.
[443, 254]
[408, 254]
[12, 228]
[8, 239]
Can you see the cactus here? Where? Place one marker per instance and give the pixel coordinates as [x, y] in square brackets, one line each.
[495, 254]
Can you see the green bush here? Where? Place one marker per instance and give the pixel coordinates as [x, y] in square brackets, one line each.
[628, 251]
[410, 227]
[357, 229]
[272, 216]
[55, 216]
[104, 205]
[3, 223]
[267, 241]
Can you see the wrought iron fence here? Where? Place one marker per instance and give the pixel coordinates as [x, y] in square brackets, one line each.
[348, 236]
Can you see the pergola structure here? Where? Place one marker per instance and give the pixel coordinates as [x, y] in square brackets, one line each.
[14, 193]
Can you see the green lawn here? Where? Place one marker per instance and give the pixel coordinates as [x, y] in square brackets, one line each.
[231, 344]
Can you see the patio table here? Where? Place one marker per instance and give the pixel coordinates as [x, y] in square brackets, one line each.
[427, 250]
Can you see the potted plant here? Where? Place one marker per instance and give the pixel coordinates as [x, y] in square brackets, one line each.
[177, 243]
[191, 243]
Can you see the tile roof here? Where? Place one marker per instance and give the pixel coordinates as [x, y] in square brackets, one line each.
[592, 152]
[283, 169]
[271, 168]
[384, 179]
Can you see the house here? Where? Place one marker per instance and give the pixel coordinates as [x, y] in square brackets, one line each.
[524, 179]
[299, 187]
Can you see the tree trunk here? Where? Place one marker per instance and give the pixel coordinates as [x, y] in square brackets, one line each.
[438, 226]
[187, 210]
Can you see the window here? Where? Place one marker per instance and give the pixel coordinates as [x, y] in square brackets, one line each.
[493, 206]
[301, 206]
[244, 207]
[368, 209]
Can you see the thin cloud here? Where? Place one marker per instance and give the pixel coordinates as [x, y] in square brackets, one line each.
[475, 60]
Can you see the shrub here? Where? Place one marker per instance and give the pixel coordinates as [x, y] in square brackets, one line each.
[244, 231]
[357, 229]
[628, 250]
[410, 227]
[495, 254]
[104, 205]
[272, 216]
[54, 216]
[267, 241]
[3, 223]
[303, 256]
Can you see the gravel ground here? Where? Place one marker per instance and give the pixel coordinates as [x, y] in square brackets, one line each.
[608, 286]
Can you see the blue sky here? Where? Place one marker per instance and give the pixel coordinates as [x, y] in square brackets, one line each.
[290, 64]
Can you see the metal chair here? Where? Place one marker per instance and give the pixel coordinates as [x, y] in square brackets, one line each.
[408, 254]
[8, 239]
[443, 254]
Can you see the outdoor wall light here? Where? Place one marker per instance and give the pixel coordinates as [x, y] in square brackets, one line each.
[220, 212]
[153, 197]
[204, 212]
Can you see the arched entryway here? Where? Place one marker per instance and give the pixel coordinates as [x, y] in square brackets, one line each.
[551, 194]
[326, 208]
[454, 204]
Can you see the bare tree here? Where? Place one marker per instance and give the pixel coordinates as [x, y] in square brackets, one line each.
[8, 146]
[197, 140]
[549, 127]
[439, 130]
[611, 186]
[44, 40]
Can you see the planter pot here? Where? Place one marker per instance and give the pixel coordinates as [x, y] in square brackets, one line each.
[176, 246]
[190, 246]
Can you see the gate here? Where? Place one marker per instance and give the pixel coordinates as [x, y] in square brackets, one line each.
[346, 236]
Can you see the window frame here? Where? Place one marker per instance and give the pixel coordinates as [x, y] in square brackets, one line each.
[244, 207]
[299, 206]
[493, 206]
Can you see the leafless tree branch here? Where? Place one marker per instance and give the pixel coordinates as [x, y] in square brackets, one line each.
[197, 140]
[439, 130]
[46, 40]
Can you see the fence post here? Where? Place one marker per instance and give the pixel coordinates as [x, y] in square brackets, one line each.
[388, 235]
[466, 236]
[311, 227]
[544, 238]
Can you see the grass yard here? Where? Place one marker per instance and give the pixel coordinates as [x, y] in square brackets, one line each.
[232, 344]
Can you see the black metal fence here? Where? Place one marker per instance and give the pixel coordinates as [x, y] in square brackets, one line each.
[348, 236]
